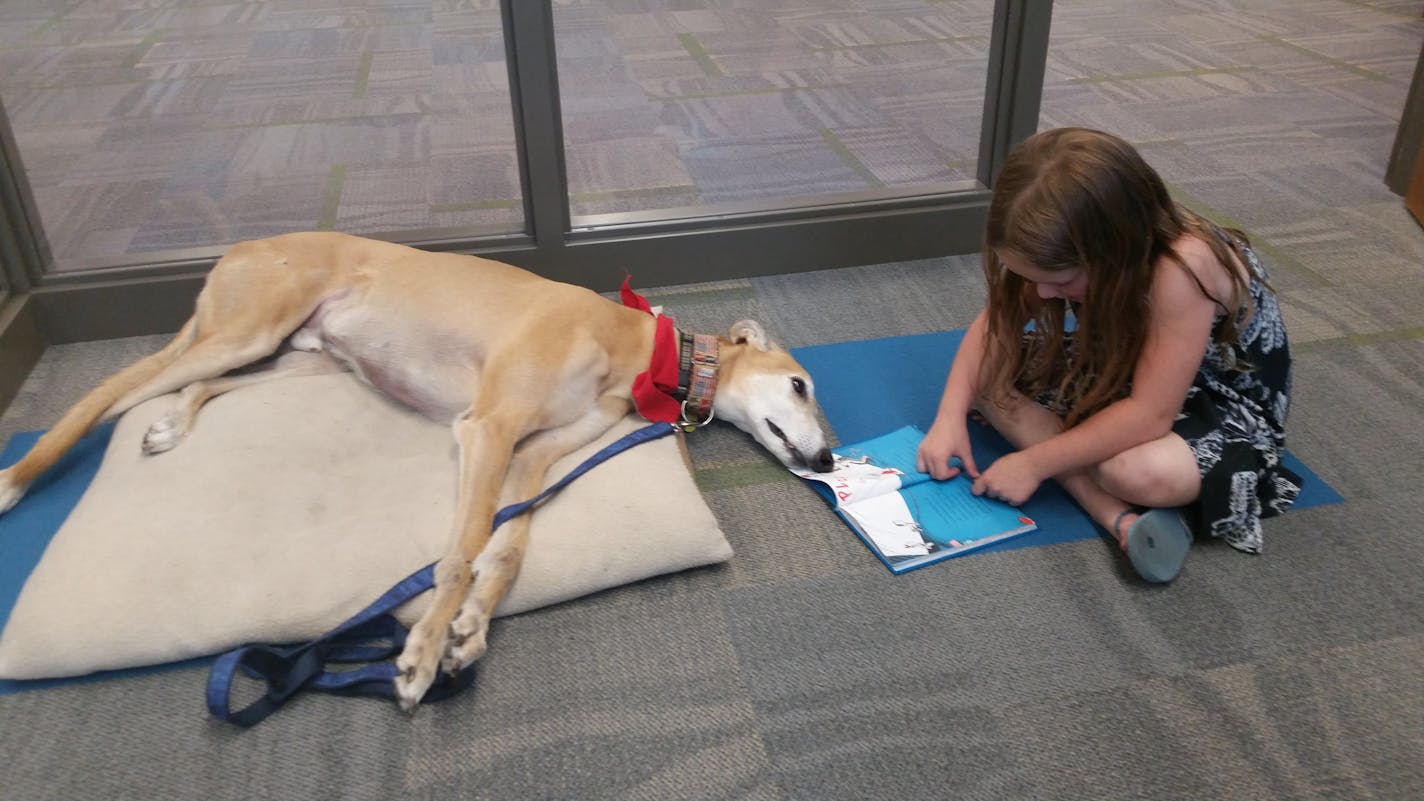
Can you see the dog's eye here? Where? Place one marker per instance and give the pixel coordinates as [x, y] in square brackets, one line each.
[798, 385]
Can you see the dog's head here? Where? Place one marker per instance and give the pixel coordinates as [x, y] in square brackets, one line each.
[764, 392]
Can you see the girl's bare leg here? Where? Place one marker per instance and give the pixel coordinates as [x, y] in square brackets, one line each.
[1160, 473]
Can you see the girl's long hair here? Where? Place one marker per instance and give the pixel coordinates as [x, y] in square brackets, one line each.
[1075, 197]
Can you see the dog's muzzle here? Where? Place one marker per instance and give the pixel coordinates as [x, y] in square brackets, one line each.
[821, 461]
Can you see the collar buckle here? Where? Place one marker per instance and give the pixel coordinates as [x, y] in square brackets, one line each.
[689, 425]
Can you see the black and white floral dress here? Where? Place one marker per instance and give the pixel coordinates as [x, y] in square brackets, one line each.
[1234, 420]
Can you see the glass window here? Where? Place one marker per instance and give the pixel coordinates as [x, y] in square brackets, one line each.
[695, 102]
[159, 127]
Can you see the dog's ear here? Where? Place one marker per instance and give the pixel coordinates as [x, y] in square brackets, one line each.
[749, 332]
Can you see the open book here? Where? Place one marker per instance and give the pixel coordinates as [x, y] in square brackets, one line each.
[907, 518]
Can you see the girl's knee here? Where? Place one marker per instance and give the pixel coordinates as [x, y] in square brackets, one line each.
[1156, 474]
[1019, 419]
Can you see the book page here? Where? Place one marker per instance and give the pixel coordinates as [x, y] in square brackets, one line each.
[887, 521]
[853, 479]
[875, 467]
[896, 450]
[951, 515]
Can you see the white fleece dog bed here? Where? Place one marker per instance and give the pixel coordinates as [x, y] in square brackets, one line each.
[295, 503]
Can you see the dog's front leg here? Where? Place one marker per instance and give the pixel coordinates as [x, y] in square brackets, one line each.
[498, 565]
[486, 442]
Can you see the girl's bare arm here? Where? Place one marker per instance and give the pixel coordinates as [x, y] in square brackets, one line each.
[962, 387]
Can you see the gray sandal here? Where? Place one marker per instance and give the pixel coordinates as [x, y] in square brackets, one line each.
[1156, 543]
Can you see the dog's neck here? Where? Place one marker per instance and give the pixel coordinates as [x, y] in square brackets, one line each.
[681, 380]
[680, 383]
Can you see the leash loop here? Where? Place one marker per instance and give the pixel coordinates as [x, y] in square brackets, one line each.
[371, 638]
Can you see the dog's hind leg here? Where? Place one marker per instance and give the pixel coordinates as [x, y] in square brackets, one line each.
[252, 301]
[208, 357]
[498, 565]
[168, 430]
[83, 415]
[193, 355]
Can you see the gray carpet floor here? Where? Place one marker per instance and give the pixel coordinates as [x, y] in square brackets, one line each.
[802, 669]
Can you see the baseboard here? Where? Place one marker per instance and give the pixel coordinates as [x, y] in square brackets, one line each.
[79, 308]
[112, 309]
[21, 345]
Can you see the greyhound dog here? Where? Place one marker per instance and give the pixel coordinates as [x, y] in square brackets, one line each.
[525, 369]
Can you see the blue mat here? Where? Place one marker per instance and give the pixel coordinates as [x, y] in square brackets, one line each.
[873, 386]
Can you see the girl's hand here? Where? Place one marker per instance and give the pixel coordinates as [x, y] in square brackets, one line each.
[1011, 479]
[946, 439]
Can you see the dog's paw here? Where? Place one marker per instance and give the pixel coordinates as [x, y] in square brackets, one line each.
[10, 492]
[467, 641]
[163, 435]
[416, 666]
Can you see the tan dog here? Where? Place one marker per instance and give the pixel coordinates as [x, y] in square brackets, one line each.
[527, 369]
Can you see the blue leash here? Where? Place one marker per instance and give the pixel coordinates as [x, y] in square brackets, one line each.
[372, 636]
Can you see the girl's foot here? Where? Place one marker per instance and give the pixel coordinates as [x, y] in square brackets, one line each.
[1156, 542]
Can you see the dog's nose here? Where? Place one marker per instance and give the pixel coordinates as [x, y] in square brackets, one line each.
[823, 462]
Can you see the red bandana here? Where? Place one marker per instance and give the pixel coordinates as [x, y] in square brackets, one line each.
[653, 389]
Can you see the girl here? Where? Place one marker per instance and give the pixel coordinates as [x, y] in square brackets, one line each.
[1129, 348]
